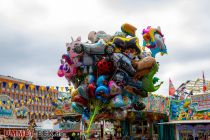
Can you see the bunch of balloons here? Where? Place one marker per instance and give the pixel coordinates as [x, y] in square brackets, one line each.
[111, 73]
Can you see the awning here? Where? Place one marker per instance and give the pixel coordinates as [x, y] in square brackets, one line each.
[186, 122]
[13, 126]
[66, 131]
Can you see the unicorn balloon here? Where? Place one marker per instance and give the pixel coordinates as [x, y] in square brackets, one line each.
[70, 61]
[153, 40]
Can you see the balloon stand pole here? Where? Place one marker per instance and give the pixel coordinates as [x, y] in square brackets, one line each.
[92, 119]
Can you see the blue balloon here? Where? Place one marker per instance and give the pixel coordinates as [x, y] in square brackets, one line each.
[77, 108]
[101, 79]
[117, 101]
[82, 91]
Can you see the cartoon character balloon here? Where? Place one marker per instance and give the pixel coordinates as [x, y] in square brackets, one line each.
[111, 73]
[153, 39]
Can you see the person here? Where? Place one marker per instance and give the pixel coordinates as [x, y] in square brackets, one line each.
[143, 138]
[64, 138]
[110, 136]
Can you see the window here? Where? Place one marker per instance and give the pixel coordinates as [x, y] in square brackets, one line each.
[8, 89]
[36, 91]
[23, 89]
[32, 91]
[17, 89]
[13, 88]
[26, 90]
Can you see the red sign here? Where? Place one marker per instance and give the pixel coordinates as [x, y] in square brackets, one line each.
[202, 100]
[18, 133]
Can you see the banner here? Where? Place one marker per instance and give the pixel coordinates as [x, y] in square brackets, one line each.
[31, 86]
[21, 86]
[157, 104]
[195, 108]
[10, 84]
[201, 102]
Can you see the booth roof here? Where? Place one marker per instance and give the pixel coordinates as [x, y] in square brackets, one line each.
[186, 122]
[13, 126]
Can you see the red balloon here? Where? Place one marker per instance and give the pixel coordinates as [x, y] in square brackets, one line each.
[60, 73]
[80, 100]
[105, 67]
[91, 90]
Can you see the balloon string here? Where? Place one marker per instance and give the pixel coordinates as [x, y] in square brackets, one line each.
[92, 118]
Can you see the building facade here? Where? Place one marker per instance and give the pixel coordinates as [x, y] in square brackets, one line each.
[24, 93]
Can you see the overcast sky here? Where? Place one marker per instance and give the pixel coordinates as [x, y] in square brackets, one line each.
[33, 34]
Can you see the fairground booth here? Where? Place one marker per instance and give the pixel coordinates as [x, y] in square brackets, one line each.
[68, 121]
[132, 124]
[13, 121]
[189, 111]
[144, 124]
[191, 117]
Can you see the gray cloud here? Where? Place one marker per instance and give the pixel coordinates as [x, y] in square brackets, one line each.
[33, 37]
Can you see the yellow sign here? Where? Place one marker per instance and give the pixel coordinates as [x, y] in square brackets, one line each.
[58, 112]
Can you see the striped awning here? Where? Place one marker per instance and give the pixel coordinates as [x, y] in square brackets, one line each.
[13, 126]
[186, 122]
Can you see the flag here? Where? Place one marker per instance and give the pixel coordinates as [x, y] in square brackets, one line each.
[42, 88]
[172, 90]
[10, 84]
[20, 85]
[182, 96]
[182, 87]
[62, 88]
[57, 88]
[204, 83]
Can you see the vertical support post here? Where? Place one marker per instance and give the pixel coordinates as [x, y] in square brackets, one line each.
[161, 129]
[142, 127]
[177, 132]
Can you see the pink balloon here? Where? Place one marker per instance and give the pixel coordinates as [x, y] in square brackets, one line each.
[60, 72]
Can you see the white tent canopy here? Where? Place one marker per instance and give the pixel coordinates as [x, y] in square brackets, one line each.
[49, 125]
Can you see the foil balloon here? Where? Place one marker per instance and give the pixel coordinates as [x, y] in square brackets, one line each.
[111, 73]
[60, 71]
[153, 39]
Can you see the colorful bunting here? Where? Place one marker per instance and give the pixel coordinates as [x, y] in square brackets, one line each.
[4, 84]
[15, 85]
[66, 88]
[52, 87]
[10, 84]
[62, 88]
[31, 86]
[47, 87]
[37, 87]
[8, 102]
[172, 90]
[21, 86]
[26, 85]
[42, 88]
[204, 83]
